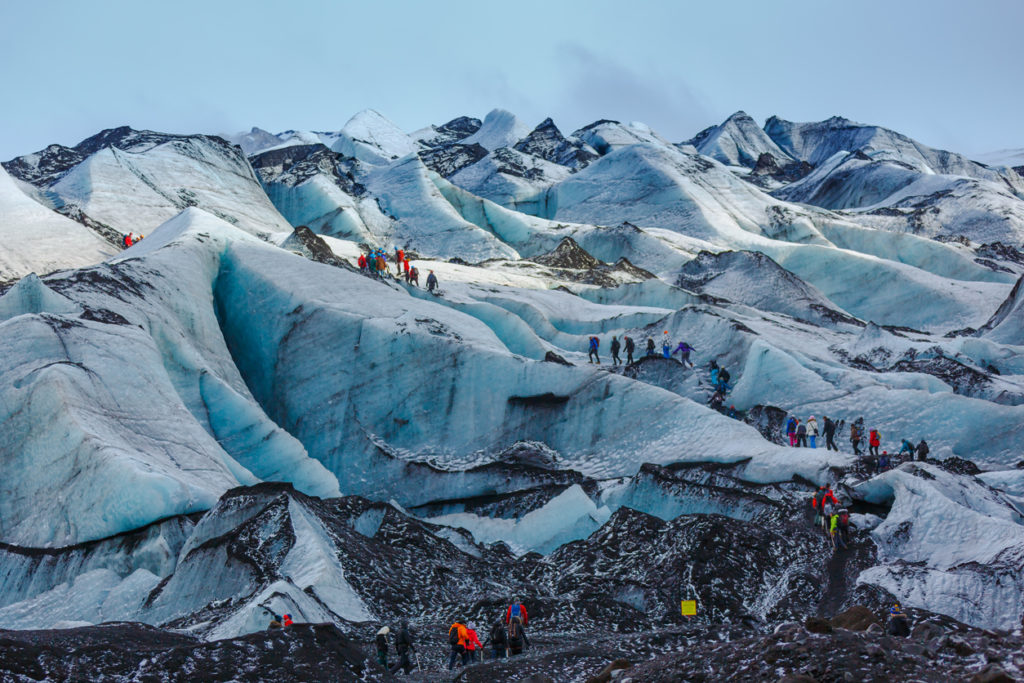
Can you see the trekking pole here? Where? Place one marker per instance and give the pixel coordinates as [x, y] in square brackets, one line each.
[418, 667]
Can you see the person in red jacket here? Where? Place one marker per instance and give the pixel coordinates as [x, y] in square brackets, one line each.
[874, 441]
[516, 609]
[362, 262]
[472, 644]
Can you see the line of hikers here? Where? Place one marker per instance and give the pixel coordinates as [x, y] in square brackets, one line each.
[801, 433]
[130, 239]
[507, 637]
[375, 263]
[833, 519]
[683, 349]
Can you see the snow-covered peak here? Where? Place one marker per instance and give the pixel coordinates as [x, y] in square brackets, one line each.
[500, 129]
[606, 136]
[132, 181]
[738, 141]
[456, 130]
[34, 238]
[1004, 157]
[547, 142]
[372, 138]
[1007, 323]
[256, 140]
[817, 141]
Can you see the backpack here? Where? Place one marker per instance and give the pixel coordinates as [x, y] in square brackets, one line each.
[453, 635]
[516, 611]
[723, 375]
[515, 630]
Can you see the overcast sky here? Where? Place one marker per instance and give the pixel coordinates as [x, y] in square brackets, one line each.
[946, 73]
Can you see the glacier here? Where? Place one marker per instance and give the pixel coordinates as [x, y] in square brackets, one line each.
[229, 420]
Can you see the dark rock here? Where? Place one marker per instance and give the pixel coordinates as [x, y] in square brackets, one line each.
[552, 357]
[605, 674]
[926, 630]
[545, 399]
[449, 160]
[817, 625]
[958, 465]
[568, 254]
[959, 646]
[993, 673]
[547, 142]
[857, 618]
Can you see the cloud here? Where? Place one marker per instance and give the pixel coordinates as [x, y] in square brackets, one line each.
[598, 87]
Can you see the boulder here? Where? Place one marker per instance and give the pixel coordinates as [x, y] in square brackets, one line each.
[608, 673]
[857, 618]
[817, 625]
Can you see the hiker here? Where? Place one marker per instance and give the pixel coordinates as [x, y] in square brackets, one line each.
[498, 640]
[630, 347]
[717, 399]
[516, 609]
[844, 526]
[723, 381]
[834, 534]
[126, 241]
[906, 447]
[362, 263]
[403, 644]
[882, 464]
[382, 646]
[823, 496]
[801, 434]
[666, 345]
[457, 640]
[922, 450]
[733, 413]
[615, 351]
[828, 512]
[592, 356]
[812, 431]
[517, 636]
[405, 267]
[830, 432]
[713, 373]
[684, 350]
[791, 431]
[414, 276]
[275, 620]
[472, 644]
[855, 436]
[431, 282]
[286, 620]
[899, 625]
[874, 441]
[399, 259]
[650, 347]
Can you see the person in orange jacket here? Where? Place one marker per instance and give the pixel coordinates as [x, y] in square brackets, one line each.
[457, 635]
[472, 644]
[874, 441]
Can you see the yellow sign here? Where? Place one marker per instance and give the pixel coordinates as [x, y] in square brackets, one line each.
[689, 608]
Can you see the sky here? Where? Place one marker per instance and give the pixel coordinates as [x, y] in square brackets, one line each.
[946, 73]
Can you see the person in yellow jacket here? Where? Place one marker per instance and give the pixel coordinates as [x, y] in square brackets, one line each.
[457, 635]
[837, 537]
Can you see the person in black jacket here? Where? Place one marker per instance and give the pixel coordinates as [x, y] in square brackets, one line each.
[830, 434]
[403, 645]
[922, 451]
[615, 351]
[498, 640]
[630, 347]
